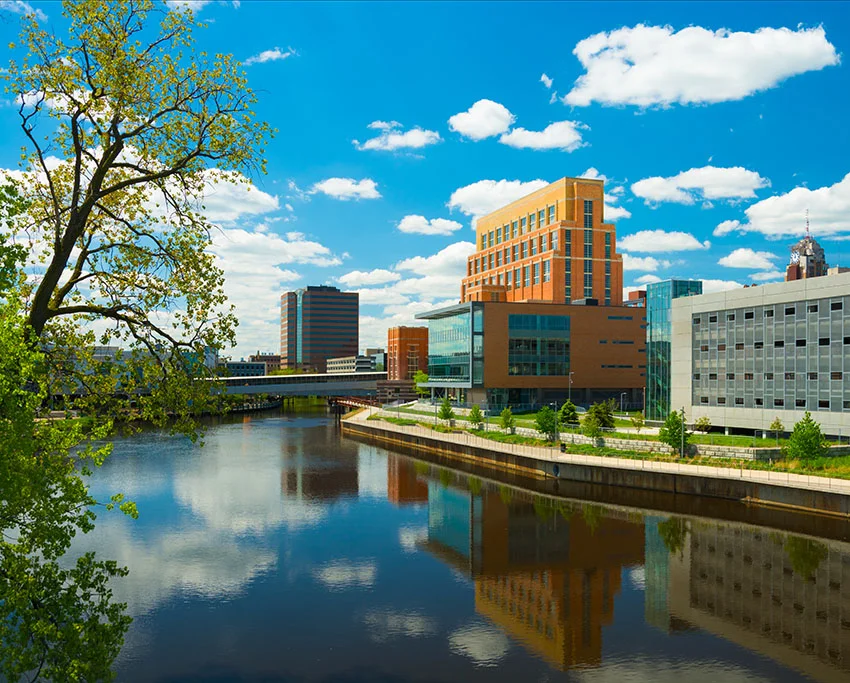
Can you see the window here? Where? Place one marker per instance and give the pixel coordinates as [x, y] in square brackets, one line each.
[823, 341]
[542, 243]
[553, 240]
[748, 315]
[779, 344]
[498, 235]
[712, 318]
[704, 347]
[490, 260]
[789, 375]
[508, 279]
[620, 317]
[768, 313]
[768, 376]
[721, 347]
[547, 275]
[533, 243]
[588, 244]
[789, 310]
[836, 305]
[823, 403]
[516, 278]
[552, 214]
[721, 400]
[514, 230]
[801, 342]
[588, 279]
[498, 258]
[607, 245]
[483, 241]
[541, 217]
[730, 316]
[507, 255]
[516, 252]
[532, 220]
[730, 375]
[759, 401]
[739, 401]
[800, 403]
[739, 347]
[758, 345]
[477, 265]
[748, 376]
[522, 225]
[536, 270]
[526, 278]
[696, 375]
[814, 375]
[836, 375]
[703, 399]
[588, 214]
[490, 239]
[696, 320]
[812, 308]
[712, 375]
[525, 249]
[778, 402]
[567, 242]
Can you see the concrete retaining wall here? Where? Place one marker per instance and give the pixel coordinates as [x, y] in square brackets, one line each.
[819, 494]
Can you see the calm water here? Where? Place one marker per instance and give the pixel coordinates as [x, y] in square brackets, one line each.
[283, 552]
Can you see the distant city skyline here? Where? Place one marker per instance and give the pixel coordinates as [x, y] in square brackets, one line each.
[720, 131]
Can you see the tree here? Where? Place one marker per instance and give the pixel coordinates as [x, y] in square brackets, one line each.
[568, 415]
[446, 411]
[674, 432]
[546, 422]
[420, 377]
[476, 419]
[604, 412]
[777, 428]
[128, 130]
[638, 422]
[506, 420]
[807, 441]
[702, 424]
[590, 425]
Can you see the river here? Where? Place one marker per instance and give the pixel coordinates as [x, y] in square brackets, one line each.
[282, 551]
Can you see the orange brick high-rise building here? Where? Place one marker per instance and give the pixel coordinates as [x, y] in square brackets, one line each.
[550, 246]
[407, 352]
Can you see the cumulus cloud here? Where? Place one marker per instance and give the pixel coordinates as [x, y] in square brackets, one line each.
[545, 80]
[483, 119]
[481, 642]
[347, 188]
[712, 286]
[745, 257]
[726, 227]
[341, 575]
[785, 214]
[637, 263]
[650, 241]
[273, 55]
[23, 8]
[448, 261]
[563, 135]
[656, 66]
[359, 278]
[484, 196]
[766, 276]
[419, 225]
[392, 138]
[706, 183]
[611, 211]
[647, 279]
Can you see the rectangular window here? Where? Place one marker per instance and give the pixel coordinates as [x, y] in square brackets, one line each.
[739, 401]
[712, 318]
[758, 345]
[703, 399]
[730, 375]
[477, 265]
[547, 275]
[588, 279]
[730, 316]
[508, 279]
[516, 252]
[721, 400]
[532, 221]
[739, 347]
[506, 231]
[484, 241]
[552, 214]
[748, 315]
[516, 278]
[498, 235]
[812, 308]
[522, 225]
[491, 261]
[490, 239]
[800, 342]
[514, 231]
[823, 403]
[836, 305]
[541, 218]
[588, 244]
[712, 375]
[588, 214]
[696, 375]
[836, 375]
[553, 240]
[748, 376]
[533, 247]
[779, 344]
[704, 347]
[789, 310]
[498, 259]
[768, 376]
[778, 402]
[789, 375]
[542, 243]
[721, 347]
[759, 401]
[567, 242]
[823, 341]
[525, 250]
[536, 269]
[812, 375]
[768, 313]
[526, 278]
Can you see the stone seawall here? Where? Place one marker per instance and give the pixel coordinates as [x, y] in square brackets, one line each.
[790, 491]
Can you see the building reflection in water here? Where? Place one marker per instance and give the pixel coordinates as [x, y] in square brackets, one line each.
[785, 597]
[303, 476]
[404, 485]
[546, 572]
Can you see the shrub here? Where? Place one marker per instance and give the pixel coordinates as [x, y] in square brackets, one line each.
[590, 426]
[674, 432]
[777, 428]
[604, 412]
[807, 441]
[506, 419]
[476, 419]
[546, 423]
[446, 412]
[638, 422]
[702, 424]
[568, 415]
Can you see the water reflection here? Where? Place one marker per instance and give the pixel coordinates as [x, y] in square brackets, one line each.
[282, 551]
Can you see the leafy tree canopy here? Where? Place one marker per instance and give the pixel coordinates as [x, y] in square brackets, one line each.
[568, 414]
[604, 412]
[475, 416]
[807, 441]
[546, 422]
[674, 432]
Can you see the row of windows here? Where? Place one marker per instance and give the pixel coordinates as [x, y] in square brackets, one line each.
[524, 224]
[779, 344]
[769, 312]
[520, 251]
[748, 376]
[821, 404]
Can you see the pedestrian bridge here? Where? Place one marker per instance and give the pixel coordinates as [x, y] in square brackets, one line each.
[336, 384]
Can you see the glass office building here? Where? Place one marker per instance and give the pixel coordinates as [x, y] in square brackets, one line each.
[659, 304]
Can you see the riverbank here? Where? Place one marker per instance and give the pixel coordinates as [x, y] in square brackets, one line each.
[794, 491]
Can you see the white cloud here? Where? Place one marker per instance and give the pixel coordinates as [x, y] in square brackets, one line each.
[745, 257]
[482, 120]
[712, 286]
[21, 7]
[273, 55]
[647, 279]
[563, 135]
[611, 212]
[347, 188]
[726, 227]
[785, 214]
[650, 241]
[545, 80]
[339, 575]
[483, 643]
[228, 198]
[392, 139]
[448, 261]
[706, 183]
[657, 66]
[637, 263]
[419, 225]
[594, 174]
[484, 196]
[359, 278]
[384, 625]
[770, 275]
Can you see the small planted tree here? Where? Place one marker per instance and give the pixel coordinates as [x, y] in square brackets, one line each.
[807, 441]
[777, 428]
[568, 415]
[590, 426]
[506, 420]
[446, 412]
[604, 412]
[420, 378]
[546, 423]
[674, 432]
[476, 419]
[702, 424]
[638, 422]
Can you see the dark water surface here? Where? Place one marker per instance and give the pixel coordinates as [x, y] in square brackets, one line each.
[282, 551]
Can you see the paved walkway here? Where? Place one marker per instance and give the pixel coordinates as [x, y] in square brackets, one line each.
[552, 455]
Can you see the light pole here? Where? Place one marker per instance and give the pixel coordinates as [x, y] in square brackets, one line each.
[570, 388]
[621, 400]
[683, 433]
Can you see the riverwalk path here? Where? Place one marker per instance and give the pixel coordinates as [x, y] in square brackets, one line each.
[549, 461]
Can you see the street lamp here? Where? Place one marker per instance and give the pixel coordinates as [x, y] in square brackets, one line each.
[570, 388]
[621, 401]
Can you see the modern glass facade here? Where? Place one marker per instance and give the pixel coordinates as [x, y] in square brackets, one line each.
[785, 356]
[538, 344]
[456, 346]
[659, 303]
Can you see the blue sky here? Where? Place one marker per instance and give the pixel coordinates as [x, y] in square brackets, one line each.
[693, 127]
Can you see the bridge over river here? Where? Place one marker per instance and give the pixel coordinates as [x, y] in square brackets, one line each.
[336, 384]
